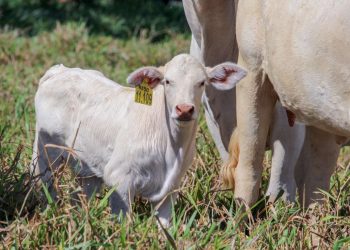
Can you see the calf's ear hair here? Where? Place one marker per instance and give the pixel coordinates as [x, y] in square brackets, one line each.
[151, 75]
[226, 75]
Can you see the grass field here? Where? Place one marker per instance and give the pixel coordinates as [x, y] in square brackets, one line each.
[204, 216]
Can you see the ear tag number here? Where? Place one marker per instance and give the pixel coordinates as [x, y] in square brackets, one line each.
[143, 93]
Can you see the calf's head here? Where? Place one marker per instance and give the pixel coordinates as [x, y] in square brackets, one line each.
[184, 79]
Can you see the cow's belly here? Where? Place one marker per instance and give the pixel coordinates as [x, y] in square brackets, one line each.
[308, 58]
[319, 96]
[313, 108]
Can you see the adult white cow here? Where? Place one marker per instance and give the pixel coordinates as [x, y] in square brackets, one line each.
[301, 51]
[138, 149]
[212, 23]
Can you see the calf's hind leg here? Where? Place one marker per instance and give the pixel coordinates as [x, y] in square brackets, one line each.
[47, 158]
[90, 184]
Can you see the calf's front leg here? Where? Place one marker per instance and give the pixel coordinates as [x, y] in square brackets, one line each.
[120, 200]
[164, 209]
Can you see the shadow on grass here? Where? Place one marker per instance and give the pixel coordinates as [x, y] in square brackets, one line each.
[16, 189]
[118, 18]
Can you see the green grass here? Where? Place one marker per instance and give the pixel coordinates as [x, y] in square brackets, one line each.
[204, 217]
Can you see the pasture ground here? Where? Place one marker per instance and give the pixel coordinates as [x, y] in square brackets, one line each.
[204, 216]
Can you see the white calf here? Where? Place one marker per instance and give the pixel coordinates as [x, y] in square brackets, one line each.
[138, 149]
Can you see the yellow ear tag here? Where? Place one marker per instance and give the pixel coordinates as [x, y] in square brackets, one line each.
[143, 93]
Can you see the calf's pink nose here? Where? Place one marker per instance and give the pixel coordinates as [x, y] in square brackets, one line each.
[184, 111]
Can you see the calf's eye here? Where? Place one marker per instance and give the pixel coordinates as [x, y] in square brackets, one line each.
[201, 84]
[167, 82]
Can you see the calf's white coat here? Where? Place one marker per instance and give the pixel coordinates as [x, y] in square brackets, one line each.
[138, 149]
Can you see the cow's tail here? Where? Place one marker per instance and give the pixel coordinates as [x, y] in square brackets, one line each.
[228, 169]
[51, 72]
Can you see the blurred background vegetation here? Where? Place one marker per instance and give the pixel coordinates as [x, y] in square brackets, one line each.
[155, 19]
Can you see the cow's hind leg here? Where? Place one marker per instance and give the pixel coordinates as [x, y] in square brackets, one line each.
[316, 164]
[255, 102]
[286, 143]
[256, 99]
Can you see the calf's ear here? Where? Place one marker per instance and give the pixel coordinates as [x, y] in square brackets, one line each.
[151, 75]
[225, 76]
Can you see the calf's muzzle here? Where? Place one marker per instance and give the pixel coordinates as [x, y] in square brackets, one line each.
[185, 112]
